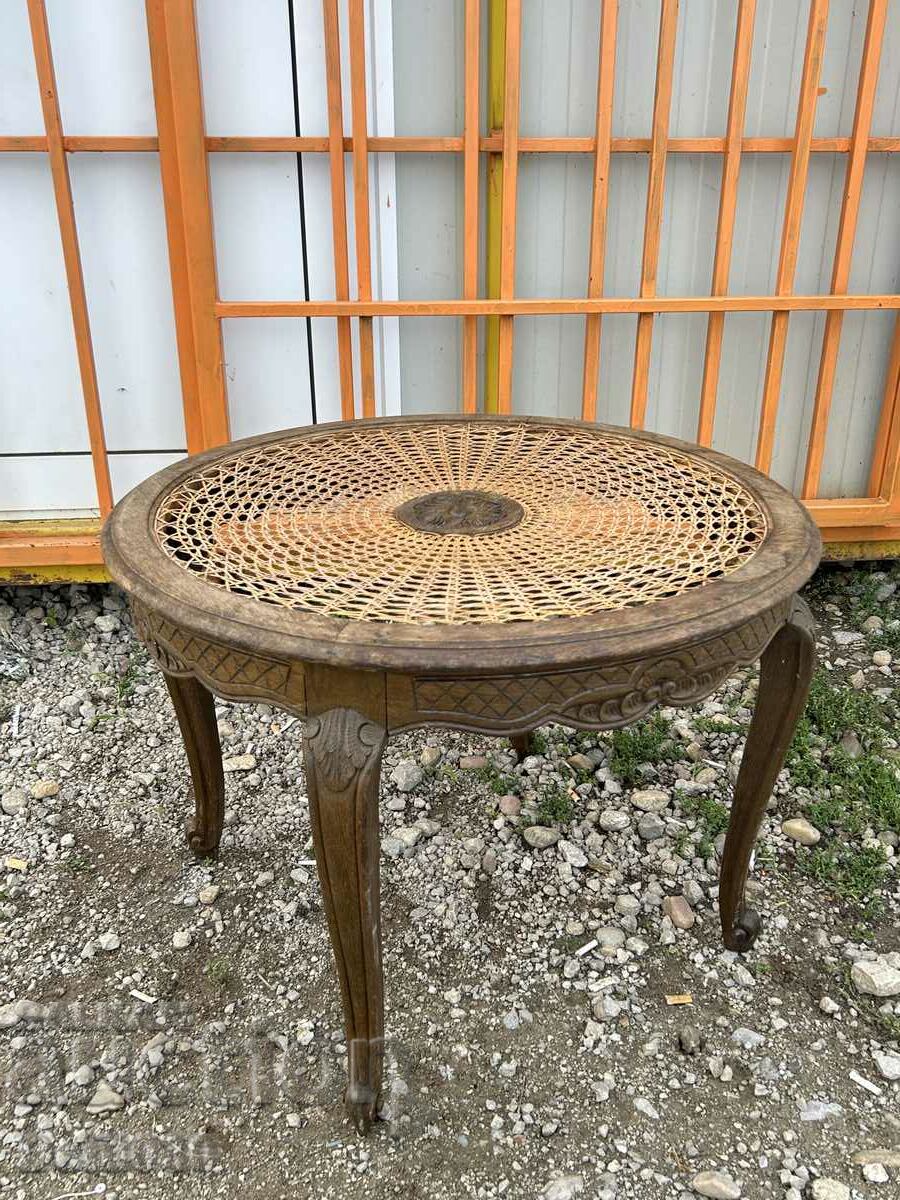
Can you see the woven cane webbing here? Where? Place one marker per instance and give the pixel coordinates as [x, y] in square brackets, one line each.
[601, 521]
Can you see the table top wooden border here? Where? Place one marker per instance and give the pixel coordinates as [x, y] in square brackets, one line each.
[782, 564]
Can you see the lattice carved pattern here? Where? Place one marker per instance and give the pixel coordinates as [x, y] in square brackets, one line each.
[232, 673]
[597, 697]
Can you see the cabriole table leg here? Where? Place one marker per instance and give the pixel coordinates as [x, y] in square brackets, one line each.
[786, 670]
[196, 712]
[342, 754]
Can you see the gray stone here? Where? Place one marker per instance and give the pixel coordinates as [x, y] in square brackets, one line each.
[690, 1039]
[716, 1185]
[798, 829]
[8, 1016]
[580, 762]
[820, 1110]
[573, 854]
[748, 1039]
[605, 1007]
[882, 658]
[409, 835]
[105, 1100]
[239, 762]
[13, 802]
[829, 1189]
[208, 894]
[44, 789]
[650, 800]
[613, 820]
[875, 1173]
[563, 1187]
[181, 939]
[888, 1066]
[610, 937]
[876, 978]
[392, 847]
[679, 912]
[430, 757]
[406, 776]
[428, 825]
[651, 827]
[510, 805]
[850, 744]
[473, 762]
[541, 837]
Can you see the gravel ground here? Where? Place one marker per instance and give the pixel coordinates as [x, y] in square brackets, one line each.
[174, 1027]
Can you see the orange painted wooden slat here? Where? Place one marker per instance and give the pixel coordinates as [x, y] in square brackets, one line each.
[88, 144]
[470, 203]
[790, 235]
[840, 276]
[510, 190]
[656, 183]
[338, 200]
[602, 137]
[553, 306]
[361, 200]
[68, 232]
[731, 167]
[185, 181]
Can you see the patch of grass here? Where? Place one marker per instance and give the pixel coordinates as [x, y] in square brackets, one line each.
[79, 864]
[713, 725]
[648, 741]
[219, 973]
[556, 806]
[496, 781]
[712, 816]
[540, 743]
[849, 872]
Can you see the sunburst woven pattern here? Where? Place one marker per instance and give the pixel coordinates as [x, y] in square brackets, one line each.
[608, 522]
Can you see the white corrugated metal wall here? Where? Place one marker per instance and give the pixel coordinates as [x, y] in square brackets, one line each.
[416, 86]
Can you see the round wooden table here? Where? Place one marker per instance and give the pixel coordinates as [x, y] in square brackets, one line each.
[478, 572]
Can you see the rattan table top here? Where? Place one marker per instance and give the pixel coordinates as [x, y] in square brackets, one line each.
[457, 523]
[447, 542]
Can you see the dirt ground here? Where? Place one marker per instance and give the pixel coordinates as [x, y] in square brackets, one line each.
[173, 1027]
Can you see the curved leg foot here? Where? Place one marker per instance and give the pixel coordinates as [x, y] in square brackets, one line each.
[522, 743]
[196, 712]
[342, 755]
[786, 672]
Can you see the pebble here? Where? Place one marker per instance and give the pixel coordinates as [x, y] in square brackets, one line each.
[820, 1110]
[644, 1106]
[829, 1006]
[408, 835]
[888, 1066]
[800, 830]
[679, 912]
[690, 1039]
[572, 854]
[209, 894]
[716, 1185]
[829, 1189]
[580, 762]
[876, 978]
[541, 837]
[430, 757]
[473, 762]
[510, 805]
[109, 941]
[882, 658]
[605, 1007]
[239, 762]
[84, 1076]
[650, 800]
[651, 827]
[563, 1187]
[181, 939]
[850, 744]
[876, 1173]
[407, 775]
[104, 1099]
[44, 788]
[613, 820]
[13, 802]
[748, 1039]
